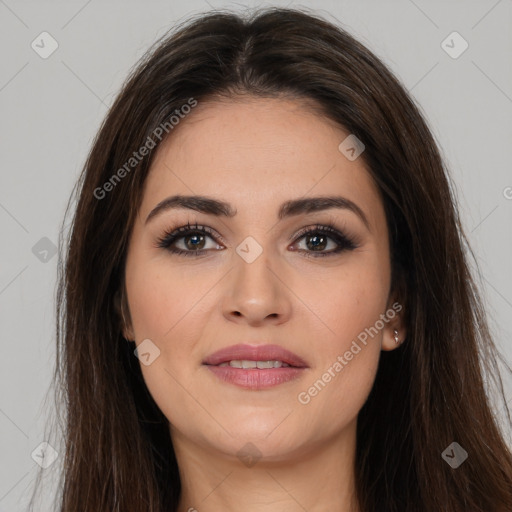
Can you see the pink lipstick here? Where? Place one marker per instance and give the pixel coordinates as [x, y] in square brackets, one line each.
[255, 366]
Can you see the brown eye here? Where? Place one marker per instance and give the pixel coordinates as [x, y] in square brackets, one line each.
[192, 238]
[320, 237]
[194, 241]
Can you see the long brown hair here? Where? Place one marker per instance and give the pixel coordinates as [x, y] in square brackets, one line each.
[118, 455]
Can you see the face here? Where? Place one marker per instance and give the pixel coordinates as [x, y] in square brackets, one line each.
[312, 280]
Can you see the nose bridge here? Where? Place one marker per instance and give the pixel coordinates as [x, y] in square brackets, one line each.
[252, 268]
[257, 290]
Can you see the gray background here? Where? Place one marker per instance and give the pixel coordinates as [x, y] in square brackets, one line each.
[51, 109]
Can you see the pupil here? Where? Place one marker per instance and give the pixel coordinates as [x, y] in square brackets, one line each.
[194, 246]
[316, 244]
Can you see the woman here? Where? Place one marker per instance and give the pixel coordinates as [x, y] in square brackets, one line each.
[266, 302]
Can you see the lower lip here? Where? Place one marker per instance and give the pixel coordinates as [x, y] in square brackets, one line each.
[256, 378]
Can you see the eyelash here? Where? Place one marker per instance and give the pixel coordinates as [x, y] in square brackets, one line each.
[344, 242]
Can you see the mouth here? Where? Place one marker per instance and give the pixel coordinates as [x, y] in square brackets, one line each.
[248, 364]
[255, 357]
[255, 367]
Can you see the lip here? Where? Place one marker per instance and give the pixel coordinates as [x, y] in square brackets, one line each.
[255, 353]
[256, 378]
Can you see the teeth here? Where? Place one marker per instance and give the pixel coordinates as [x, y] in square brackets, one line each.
[246, 364]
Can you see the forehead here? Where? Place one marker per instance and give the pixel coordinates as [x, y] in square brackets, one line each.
[253, 152]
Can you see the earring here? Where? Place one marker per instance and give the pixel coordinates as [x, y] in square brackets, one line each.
[397, 341]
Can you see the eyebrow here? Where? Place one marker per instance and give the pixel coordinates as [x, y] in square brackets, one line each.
[211, 206]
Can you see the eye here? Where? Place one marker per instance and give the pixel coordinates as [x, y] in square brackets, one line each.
[318, 237]
[193, 237]
[194, 240]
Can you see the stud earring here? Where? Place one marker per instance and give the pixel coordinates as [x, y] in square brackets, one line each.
[397, 341]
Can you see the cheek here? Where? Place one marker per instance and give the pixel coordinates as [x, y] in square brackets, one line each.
[347, 333]
[162, 302]
[345, 301]
[169, 309]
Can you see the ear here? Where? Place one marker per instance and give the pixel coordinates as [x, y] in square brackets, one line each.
[123, 314]
[395, 328]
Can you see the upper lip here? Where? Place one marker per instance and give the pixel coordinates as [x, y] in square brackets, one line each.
[255, 353]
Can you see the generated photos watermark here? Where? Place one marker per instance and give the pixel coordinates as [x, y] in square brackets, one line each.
[149, 144]
[304, 397]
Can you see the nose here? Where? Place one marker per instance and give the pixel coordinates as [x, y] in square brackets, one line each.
[257, 293]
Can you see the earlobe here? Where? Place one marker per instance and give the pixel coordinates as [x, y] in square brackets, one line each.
[392, 338]
[395, 331]
[394, 334]
[120, 307]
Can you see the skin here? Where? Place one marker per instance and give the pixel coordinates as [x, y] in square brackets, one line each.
[255, 154]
